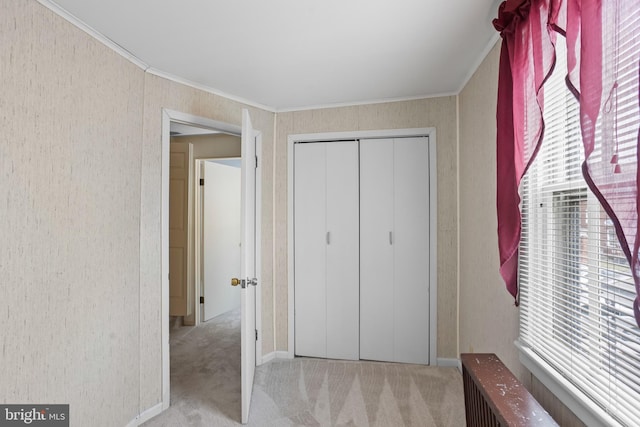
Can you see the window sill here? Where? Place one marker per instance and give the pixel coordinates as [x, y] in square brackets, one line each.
[588, 412]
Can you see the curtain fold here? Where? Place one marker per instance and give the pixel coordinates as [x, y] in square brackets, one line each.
[603, 57]
[526, 59]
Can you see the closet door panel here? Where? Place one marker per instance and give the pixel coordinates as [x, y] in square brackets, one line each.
[376, 251]
[411, 250]
[310, 249]
[342, 285]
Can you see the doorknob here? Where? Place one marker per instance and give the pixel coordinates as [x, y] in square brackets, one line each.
[243, 283]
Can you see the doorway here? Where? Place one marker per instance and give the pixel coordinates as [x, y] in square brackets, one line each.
[250, 261]
[194, 147]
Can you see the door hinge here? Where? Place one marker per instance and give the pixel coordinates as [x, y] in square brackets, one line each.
[256, 335]
[201, 181]
[201, 300]
[256, 161]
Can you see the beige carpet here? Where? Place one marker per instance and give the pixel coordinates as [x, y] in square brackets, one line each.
[205, 387]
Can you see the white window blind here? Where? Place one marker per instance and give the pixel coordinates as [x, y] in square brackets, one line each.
[576, 289]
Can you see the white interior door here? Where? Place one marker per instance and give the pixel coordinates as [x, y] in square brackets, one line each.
[221, 236]
[248, 263]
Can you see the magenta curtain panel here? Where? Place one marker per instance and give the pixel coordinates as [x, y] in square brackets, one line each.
[603, 57]
[526, 59]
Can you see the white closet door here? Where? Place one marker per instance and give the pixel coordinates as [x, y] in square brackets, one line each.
[310, 249]
[376, 250]
[326, 250]
[394, 260]
[342, 274]
[411, 250]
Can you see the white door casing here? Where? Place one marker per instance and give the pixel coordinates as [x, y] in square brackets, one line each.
[248, 263]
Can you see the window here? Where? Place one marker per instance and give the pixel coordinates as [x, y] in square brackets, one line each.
[576, 288]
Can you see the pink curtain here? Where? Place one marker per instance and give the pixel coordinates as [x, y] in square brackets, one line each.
[526, 59]
[603, 57]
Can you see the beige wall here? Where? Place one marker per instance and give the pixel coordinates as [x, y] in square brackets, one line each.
[488, 316]
[80, 207]
[436, 112]
[489, 320]
[71, 115]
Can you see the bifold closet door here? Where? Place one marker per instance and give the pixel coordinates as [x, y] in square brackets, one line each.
[394, 257]
[376, 250]
[310, 252]
[411, 250]
[326, 249]
[343, 274]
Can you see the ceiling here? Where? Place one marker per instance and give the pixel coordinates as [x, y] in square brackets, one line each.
[294, 54]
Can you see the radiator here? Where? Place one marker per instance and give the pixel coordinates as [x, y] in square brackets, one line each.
[493, 396]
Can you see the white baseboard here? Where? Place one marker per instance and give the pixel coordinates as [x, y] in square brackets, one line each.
[146, 415]
[444, 362]
[449, 363]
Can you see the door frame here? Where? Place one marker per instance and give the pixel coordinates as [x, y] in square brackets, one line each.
[433, 220]
[169, 116]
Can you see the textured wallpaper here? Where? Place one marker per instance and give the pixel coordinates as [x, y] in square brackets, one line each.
[480, 281]
[80, 208]
[70, 211]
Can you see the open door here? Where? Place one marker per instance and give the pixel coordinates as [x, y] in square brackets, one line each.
[180, 160]
[248, 276]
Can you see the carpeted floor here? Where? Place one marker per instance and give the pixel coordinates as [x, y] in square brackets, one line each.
[205, 387]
